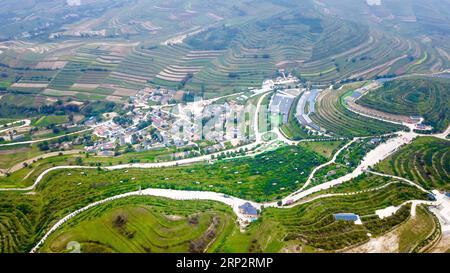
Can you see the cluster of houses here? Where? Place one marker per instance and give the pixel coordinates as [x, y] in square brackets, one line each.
[217, 123]
[166, 124]
[159, 96]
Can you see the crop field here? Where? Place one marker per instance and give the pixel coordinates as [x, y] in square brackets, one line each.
[18, 215]
[425, 161]
[345, 162]
[426, 97]
[366, 56]
[255, 179]
[25, 176]
[50, 120]
[4, 121]
[212, 48]
[12, 155]
[332, 115]
[353, 155]
[146, 224]
[105, 87]
[248, 57]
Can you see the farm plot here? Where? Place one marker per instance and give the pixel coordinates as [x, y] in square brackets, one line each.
[368, 58]
[88, 69]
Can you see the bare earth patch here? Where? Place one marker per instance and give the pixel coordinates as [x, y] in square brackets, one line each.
[84, 86]
[51, 65]
[387, 243]
[30, 85]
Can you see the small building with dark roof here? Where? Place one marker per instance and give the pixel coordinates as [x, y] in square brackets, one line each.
[248, 210]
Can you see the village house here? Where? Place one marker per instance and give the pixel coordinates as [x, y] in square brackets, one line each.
[248, 211]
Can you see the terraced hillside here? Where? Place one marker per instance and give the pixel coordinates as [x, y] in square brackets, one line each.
[145, 224]
[116, 226]
[298, 43]
[310, 227]
[18, 216]
[425, 161]
[64, 191]
[415, 19]
[227, 50]
[426, 97]
[332, 116]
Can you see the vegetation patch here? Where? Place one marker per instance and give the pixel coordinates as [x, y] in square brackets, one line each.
[425, 161]
[145, 224]
[425, 97]
[332, 115]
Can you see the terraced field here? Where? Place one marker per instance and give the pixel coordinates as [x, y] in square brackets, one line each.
[332, 116]
[146, 224]
[426, 97]
[425, 161]
[311, 227]
[18, 215]
[257, 179]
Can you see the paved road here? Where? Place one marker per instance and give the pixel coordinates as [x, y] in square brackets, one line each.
[21, 165]
[44, 139]
[26, 122]
[381, 152]
[52, 138]
[310, 177]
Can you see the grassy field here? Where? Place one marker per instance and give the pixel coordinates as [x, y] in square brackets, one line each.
[416, 230]
[426, 97]
[45, 121]
[425, 161]
[13, 155]
[324, 148]
[332, 115]
[146, 224]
